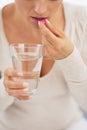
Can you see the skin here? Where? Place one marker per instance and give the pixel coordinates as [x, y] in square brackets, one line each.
[56, 43]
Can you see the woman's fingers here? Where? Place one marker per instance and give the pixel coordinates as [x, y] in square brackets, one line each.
[9, 73]
[56, 31]
[57, 45]
[14, 88]
[49, 36]
[12, 85]
[18, 92]
[48, 27]
[21, 94]
[23, 97]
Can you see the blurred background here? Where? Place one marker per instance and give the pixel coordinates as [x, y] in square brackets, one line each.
[82, 2]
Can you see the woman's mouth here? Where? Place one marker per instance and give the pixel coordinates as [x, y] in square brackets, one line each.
[36, 20]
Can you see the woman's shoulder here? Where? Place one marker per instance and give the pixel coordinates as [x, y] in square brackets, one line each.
[0, 15]
[0, 22]
[76, 11]
[1, 27]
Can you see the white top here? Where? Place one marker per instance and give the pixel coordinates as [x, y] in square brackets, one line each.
[54, 107]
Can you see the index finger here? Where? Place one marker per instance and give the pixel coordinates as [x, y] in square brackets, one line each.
[49, 36]
[55, 30]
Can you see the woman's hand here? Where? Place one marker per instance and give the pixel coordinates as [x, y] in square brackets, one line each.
[56, 43]
[14, 88]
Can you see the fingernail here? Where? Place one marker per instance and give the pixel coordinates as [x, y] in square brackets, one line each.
[39, 23]
[26, 89]
[48, 22]
[25, 84]
[20, 73]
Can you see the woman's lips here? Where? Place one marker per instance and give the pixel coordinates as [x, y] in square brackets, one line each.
[36, 20]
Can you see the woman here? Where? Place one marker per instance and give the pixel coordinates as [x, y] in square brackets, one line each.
[62, 28]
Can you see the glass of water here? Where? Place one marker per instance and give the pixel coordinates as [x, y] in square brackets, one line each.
[27, 61]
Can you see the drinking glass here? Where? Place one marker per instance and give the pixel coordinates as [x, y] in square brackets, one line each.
[27, 61]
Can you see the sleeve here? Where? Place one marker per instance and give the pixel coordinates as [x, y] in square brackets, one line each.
[74, 68]
[5, 99]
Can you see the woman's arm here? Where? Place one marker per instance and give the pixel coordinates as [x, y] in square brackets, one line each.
[75, 73]
[74, 68]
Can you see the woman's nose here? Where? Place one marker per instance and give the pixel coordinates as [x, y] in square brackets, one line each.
[40, 7]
